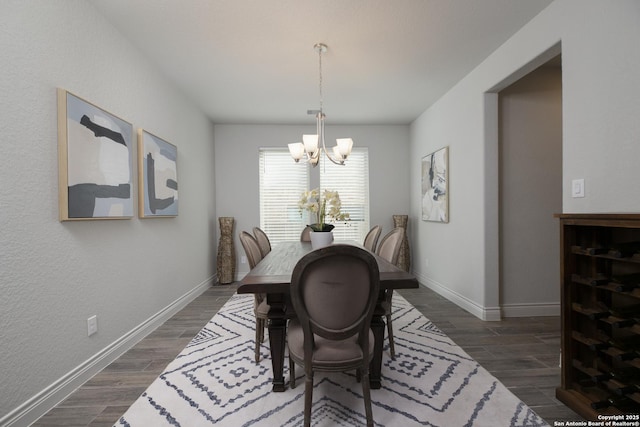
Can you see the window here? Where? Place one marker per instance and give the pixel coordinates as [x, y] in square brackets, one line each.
[282, 181]
[352, 183]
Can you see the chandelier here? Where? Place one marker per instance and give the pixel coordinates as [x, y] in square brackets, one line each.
[309, 149]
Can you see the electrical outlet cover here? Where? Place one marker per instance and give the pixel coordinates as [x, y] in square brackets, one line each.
[92, 325]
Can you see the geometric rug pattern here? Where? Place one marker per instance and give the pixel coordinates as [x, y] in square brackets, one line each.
[431, 382]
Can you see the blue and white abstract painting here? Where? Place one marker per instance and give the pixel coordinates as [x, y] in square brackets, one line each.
[96, 171]
[158, 176]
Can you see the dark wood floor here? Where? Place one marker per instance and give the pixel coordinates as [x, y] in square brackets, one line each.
[523, 353]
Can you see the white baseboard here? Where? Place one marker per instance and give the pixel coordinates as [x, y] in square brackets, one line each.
[463, 302]
[492, 313]
[47, 399]
[531, 310]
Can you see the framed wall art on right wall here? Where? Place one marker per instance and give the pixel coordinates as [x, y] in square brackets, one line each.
[435, 191]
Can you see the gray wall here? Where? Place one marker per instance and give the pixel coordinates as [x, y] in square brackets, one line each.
[54, 275]
[600, 64]
[237, 179]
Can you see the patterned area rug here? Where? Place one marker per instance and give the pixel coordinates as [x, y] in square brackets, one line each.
[432, 382]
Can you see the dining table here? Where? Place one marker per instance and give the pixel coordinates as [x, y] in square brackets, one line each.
[272, 277]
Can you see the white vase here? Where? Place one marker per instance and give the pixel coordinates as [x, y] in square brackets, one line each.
[320, 239]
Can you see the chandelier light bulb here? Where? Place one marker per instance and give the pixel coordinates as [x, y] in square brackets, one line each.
[296, 150]
[344, 146]
[310, 144]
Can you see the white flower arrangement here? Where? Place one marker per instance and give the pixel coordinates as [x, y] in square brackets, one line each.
[327, 205]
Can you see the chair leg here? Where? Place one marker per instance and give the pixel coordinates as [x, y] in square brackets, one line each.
[366, 393]
[258, 328]
[308, 398]
[262, 327]
[292, 373]
[392, 348]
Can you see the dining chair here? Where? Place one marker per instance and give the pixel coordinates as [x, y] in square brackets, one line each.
[260, 306]
[334, 292]
[389, 249]
[263, 241]
[371, 239]
[305, 236]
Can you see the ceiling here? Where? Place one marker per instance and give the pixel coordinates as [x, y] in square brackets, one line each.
[253, 61]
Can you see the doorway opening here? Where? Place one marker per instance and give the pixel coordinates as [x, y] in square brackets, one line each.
[530, 192]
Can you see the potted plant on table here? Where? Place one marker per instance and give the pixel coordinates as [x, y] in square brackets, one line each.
[325, 206]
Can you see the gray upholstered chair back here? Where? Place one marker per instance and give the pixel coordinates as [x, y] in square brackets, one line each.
[334, 292]
[305, 236]
[263, 241]
[371, 239]
[389, 247]
[260, 306]
[251, 248]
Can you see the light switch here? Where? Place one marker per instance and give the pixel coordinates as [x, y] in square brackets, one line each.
[577, 188]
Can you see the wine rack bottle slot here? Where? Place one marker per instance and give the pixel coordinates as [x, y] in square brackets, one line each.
[624, 250]
[597, 312]
[628, 311]
[619, 402]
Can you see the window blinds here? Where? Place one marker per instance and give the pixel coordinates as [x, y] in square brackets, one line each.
[352, 183]
[282, 181]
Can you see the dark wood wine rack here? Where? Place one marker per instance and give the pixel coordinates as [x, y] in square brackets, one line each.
[600, 300]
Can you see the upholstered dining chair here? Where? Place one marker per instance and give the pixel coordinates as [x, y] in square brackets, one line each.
[389, 249]
[334, 292]
[260, 306]
[371, 239]
[263, 241]
[305, 236]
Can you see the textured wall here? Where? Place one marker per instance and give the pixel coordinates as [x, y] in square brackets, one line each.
[54, 275]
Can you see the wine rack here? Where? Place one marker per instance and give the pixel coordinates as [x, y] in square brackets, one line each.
[600, 303]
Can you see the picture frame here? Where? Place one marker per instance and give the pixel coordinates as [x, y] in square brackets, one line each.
[435, 186]
[157, 177]
[94, 161]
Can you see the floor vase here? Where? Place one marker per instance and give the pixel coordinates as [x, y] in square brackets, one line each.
[404, 258]
[226, 264]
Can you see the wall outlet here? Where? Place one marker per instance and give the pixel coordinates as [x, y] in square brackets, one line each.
[243, 259]
[92, 325]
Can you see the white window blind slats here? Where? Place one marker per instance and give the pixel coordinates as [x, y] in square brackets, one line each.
[282, 181]
[352, 183]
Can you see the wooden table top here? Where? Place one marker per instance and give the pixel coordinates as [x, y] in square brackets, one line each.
[273, 273]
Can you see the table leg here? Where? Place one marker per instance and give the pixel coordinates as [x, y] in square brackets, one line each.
[375, 368]
[277, 339]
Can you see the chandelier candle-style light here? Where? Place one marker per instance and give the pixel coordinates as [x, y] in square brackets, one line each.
[309, 149]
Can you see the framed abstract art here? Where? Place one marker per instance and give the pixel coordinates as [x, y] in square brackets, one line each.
[157, 177]
[435, 191]
[94, 157]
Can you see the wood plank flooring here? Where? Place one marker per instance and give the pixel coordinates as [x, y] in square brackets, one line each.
[523, 353]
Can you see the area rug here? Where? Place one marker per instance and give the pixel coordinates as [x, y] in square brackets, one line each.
[431, 382]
